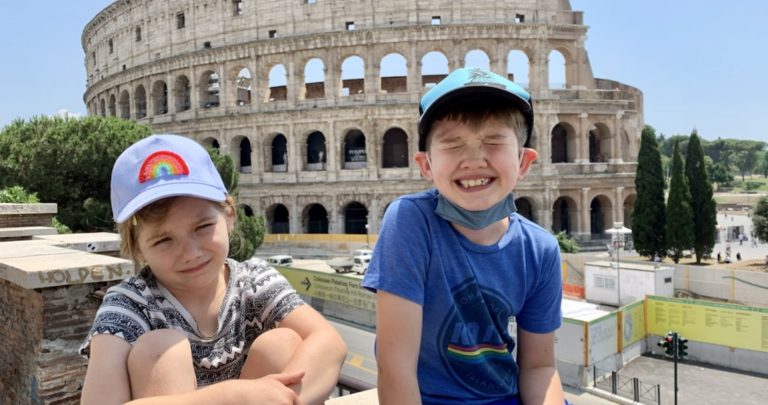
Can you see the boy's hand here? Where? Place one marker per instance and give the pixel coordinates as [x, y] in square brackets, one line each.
[272, 389]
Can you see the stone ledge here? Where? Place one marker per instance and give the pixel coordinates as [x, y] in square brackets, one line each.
[17, 209]
[97, 242]
[26, 231]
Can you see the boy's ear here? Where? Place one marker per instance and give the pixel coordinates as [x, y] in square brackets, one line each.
[230, 216]
[422, 160]
[526, 160]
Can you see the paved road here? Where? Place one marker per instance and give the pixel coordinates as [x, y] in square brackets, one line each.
[698, 383]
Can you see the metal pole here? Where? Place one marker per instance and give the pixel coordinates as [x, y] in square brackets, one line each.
[674, 356]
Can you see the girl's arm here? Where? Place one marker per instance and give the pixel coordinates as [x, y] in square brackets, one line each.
[320, 355]
[106, 380]
[539, 381]
[398, 334]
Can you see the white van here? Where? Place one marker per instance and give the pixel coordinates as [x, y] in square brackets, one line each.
[362, 252]
[280, 260]
[360, 264]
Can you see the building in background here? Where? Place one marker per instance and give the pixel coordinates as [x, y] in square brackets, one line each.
[317, 100]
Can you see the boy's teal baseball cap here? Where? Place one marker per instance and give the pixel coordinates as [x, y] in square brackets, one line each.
[162, 166]
[472, 84]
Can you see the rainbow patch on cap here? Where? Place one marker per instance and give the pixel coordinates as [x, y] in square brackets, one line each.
[162, 164]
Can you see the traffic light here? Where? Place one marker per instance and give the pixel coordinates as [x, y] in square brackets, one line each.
[682, 347]
[668, 343]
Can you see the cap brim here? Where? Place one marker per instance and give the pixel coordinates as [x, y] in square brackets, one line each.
[479, 94]
[159, 192]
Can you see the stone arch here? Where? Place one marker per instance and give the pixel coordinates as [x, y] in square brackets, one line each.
[355, 218]
[316, 151]
[564, 215]
[240, 150]
[563, 143]
[314, 79]
[183, 93]
[278, 219]
[599, 138]
[353, 154]
[315, 219]
[600, 215]
[243, 86]
[394, 151]
[112, 105]
[277, 90]
[525, 207]
[124, 105]
[434, 67]
[394, 73]
[103, 107]
[352, 76]
[210, 87]
[518, 67]
[628, 207]
[160, 98]
[556, 65]
[211, 142]
[477, 58]
[278, 154]
[140, 101]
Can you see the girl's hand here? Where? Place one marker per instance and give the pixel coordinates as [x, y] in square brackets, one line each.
[272, 389]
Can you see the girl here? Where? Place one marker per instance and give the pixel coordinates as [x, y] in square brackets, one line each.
[194, 326]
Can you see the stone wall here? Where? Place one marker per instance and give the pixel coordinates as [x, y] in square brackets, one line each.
[17, 215]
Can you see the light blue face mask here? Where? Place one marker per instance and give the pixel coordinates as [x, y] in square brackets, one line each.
[451, 212]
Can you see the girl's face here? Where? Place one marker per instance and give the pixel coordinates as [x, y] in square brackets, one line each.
[187, 249]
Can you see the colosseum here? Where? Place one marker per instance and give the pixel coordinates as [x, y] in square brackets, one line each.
[317, 100]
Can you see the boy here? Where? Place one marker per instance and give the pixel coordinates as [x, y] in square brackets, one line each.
[453, 264]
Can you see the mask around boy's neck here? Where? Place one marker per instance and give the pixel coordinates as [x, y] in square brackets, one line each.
[451, 212]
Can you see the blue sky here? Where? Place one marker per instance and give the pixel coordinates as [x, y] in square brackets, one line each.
[699, 63]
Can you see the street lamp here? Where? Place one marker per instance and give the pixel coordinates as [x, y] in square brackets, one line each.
[617, 237]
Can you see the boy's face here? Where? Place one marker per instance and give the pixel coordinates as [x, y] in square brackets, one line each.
[475, 168]
[187, 249]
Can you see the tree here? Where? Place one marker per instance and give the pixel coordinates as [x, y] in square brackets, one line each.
[760, 219]
[567, 244]
[720, 174]
[763, 165]
[67, 161]
[703, 205]
[679, 213]
[248, 233]
[648, 219]
[746, 161]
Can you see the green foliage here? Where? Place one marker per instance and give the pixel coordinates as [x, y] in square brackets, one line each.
[752, 185]
[745, 161]
[703, 205]
[648, 219]
[567, 244]
[60, 228]
[249, 231]
[721, 174]
[67, 161]
[17, 195]
[760, 219]
[679, 213]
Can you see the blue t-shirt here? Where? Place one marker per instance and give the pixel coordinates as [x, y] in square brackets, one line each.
[468, 293]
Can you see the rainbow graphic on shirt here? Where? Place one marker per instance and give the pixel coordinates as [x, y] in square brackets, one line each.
[162, 164]
[479, 353]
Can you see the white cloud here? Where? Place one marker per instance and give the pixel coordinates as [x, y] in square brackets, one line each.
[64, 113]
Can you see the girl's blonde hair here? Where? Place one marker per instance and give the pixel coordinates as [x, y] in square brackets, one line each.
[152, 214]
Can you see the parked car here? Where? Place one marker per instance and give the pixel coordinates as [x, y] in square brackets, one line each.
[360, 264]
[280, 260]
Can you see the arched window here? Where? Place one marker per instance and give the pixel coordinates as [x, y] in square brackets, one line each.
[352, 76]
[477, 58]
[316, 219]
[183, 94]
[394, 73]
[243, 87]
[279, 154]
[316, 156]
[434, 67]
[278, 84]
[395, 149]
[210, 87]
[355, 218]
[314, 79]
[125, 105]
[160, 97]
[354, 150]
[141, 102]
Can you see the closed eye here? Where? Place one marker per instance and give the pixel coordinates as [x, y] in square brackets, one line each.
[160, 241]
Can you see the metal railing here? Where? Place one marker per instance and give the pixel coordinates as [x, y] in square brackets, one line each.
[627, 387]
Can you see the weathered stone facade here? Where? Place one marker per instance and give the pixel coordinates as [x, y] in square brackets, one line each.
[321, 149]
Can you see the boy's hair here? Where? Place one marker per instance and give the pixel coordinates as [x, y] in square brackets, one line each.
[152, 214]
[482, 94]
[475, 115]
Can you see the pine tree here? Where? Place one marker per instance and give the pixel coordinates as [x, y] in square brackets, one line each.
[679, 213]
[648, 215]
[703, 205]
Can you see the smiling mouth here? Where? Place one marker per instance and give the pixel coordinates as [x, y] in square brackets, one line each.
[472, 183]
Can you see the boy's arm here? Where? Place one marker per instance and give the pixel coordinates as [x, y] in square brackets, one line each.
[539, 381]
[320, 355]
[398, 340]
